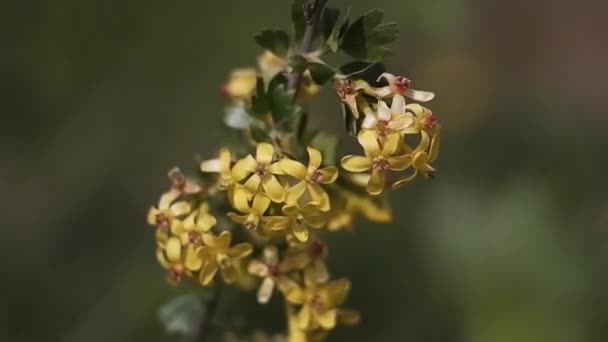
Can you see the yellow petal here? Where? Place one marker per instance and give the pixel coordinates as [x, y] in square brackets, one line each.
[240, 219]
[404, 181]
[152, 212]
[424, 141]
[328, 174]
[313, 215]
[253, 184]
[434, 150]
[167, 198]
[264, 153]
[206, 222]
[276, 223]
[244, 167]
[240, 250]
[356, 163]
[174, 249]
[180, 208]
[271, 255]
[337, 291]
[260, 204]
[229, 272]
[222, 242]
[303, 317]
[292, 291]
[398, 105]
[192, 261]
[327, 319]
[391, 144]
[211, 165]
[295, 262]
[295, 192]
[162, 260]
[291, 210]
[320, 270]
[376, 183]
[399, 163]
[293, 168]
[314, 158]
[418, 95]
[273, 188]
[207, 273]
[369, 142]
[300, 231]
[319, 196]
[257, 268]
[265, 290]
[419, 160]
[349, 317]
[161, 237]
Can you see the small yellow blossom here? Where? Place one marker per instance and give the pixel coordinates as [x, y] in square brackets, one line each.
[421, 159]
[389, 121]
[168, 209]
[270, 64]
[425, 119]
[199, 222]
[253, 213]
[176, 271]
[377, 158]
[320, 303]
[220, 165]
[260, 171]
[399, 86]
[241, 83]
[217, 254]
[272, 271]
[311, 255]
[310, 178]
[298, 219]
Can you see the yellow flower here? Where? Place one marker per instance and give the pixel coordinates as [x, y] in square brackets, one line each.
[378, 159]
[389, 121]
[400, 86]
[310, 177]
[260, 170]
[183, 184]
[272, 271]
[421, 159]
[172, 262]
[320, 302]
[168, 209]
[191, 230]
[310, 255]
[217, 254]
[271, 64]
[253, 213]
[425, 119]
[298, 219]
[241, 84]
[220, 165]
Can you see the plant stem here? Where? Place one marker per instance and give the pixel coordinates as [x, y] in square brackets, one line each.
[312, 15]
[210, 308]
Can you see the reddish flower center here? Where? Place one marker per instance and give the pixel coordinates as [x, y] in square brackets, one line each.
[273, 270]
[161, 219]
[262, 169]
[430, 122]
[195, 238]
[343, 89]
[382, 128]
[316, 303]
[316, 249]
[315, 177]
[175, 274]
[402, 84]
[381, 164]
[178, 180]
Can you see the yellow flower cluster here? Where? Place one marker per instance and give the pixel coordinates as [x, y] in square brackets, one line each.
[386, 131]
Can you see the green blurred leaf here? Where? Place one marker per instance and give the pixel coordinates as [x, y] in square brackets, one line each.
[327, 144]
[298, 63]
[320, 73]
[182, 315]
[259, 134]
[275, 40]
[284, 111]
[367, 36]
[260, 105]
[329, 21]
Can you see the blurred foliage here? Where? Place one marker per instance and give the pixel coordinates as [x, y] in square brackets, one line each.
[100, 99]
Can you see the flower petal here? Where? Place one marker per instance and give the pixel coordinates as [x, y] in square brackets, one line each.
[384, 113]
[425, 140]
[273, 188]
[222, 242]
[264, 153]
[376, 183]
[193, 261]
[162, 260]
[293, 168]
[299, 231]
[314, 159]
[225, 159]
[152, 212]
[206, 222]
[391, 144]
[303, 317]
[356, 163]
[240, 219]
[320, 271]
[398, 105]
[240, 250]
[252, 185]
[404, 181]
[328, 174]
[265, 290]
[211, 165]
[271, 255]
[229, 271]
[369, 122]
[369, 142]
[349, 317]
[319, 197]
[434, 150]
[244, 167]
[419, 95]
[174, 249]
[292, 291]
[399, 163]
[180, 208]
[257, 268]
[276, 223]
[208, 271]
[327, 319]
[295, 192]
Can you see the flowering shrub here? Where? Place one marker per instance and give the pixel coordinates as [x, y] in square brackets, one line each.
[255, 213]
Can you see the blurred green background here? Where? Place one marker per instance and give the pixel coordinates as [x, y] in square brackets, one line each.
[509, 243]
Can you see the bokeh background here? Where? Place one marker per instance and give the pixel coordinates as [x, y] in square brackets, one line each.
[509, 243]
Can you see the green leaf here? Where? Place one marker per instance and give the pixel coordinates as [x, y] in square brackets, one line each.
[298, 20]
[327, 144]
[367, 36]
[260, 105]
[182, 315]
[285, 113]
[298, 63]
[329, 21]
[333, 37]
[366, 71]
[320, 73]
[276, 41]
[259, 134]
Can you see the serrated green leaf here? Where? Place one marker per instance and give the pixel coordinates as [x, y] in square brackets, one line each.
[285, 113]
[320, 73]
[329, 21]
[385, 33]
[259, 134]
[260, 105]
[367, 36]
[327, 144]
[276, 41]
[298, 63]
[373, 18]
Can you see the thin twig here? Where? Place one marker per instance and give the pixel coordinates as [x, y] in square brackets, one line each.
[209, 310]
